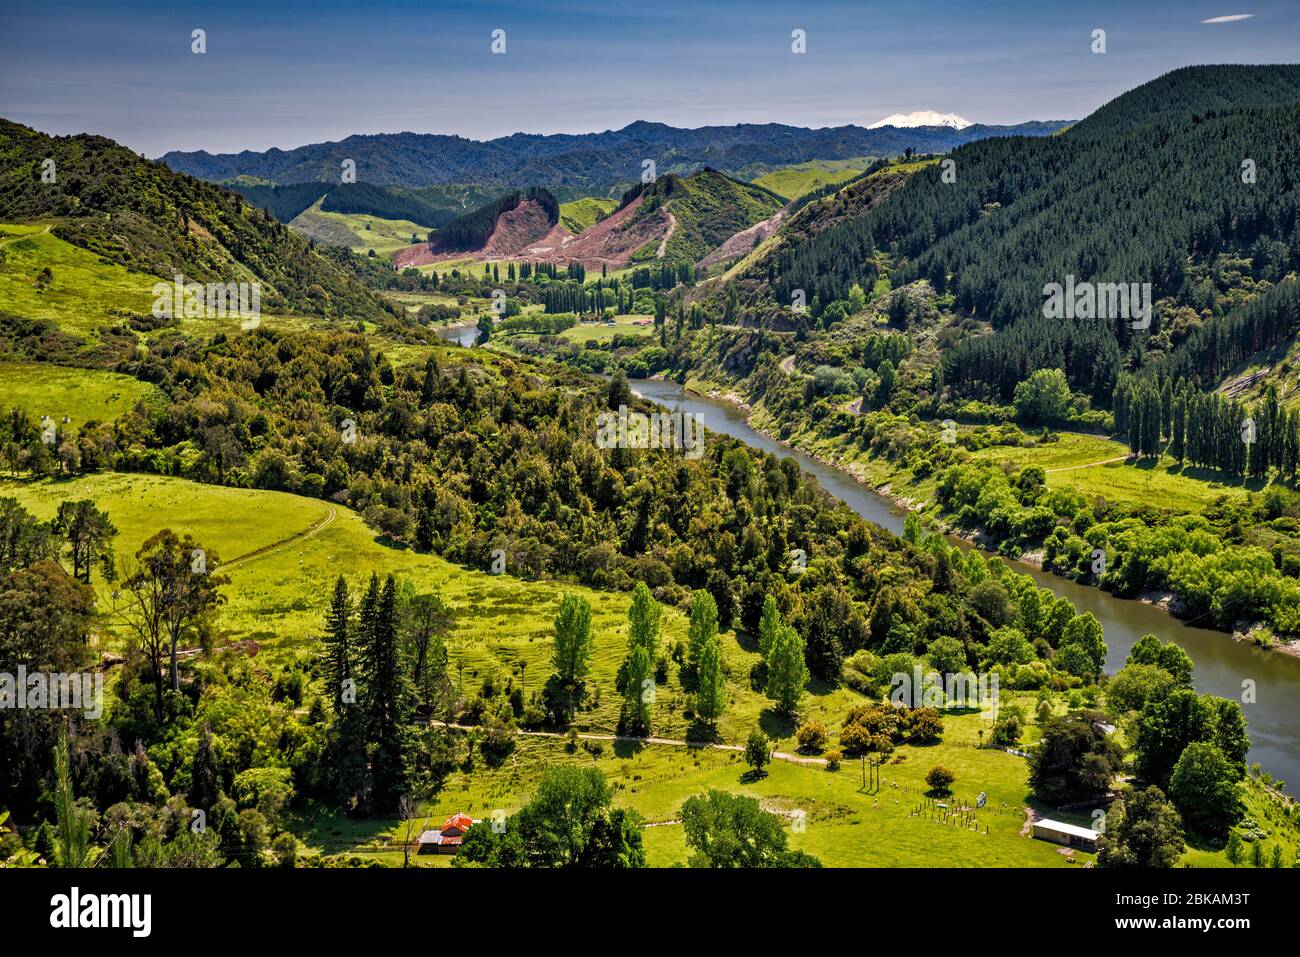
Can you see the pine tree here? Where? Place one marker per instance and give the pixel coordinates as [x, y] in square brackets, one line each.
[386, 698]
[432, 379]
[337, 666]
[204, 789]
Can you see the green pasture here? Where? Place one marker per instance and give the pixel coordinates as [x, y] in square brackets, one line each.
[577, 215]
[602, 331]
[797, 179]
[359, 232]
[1074, 460]
[85, 294]
[82, 395]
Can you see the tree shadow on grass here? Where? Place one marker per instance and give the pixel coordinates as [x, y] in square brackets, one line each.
[688, 679]
[818, 686]
[496, 757]
[626, 749]
[702, 733]
[337, 832]
[774, 725]
[1209, 475]
[746, 641]
[1210, 845]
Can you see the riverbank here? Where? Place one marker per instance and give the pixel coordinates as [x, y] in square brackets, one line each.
[1223, 668]
[1166, 603]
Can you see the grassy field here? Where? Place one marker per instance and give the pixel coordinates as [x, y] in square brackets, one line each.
[844, 824]
[414, 299]
[800, 178]
[359, 232]
[581, 213]
[83, 395]
[600, 332]
[85, 291]
[1073, 461]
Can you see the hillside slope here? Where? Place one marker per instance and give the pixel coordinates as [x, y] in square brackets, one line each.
[1020, 213]
[433, 205]
[676, 219]
[502, 229]
[143, 216]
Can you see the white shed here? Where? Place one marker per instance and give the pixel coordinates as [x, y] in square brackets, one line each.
[1071, 835]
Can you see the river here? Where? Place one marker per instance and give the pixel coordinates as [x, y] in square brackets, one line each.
[1222, 665]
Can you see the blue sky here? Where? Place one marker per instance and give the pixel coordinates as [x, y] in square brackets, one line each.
[289, 72]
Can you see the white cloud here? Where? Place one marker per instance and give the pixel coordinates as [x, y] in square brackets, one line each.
[1232, 18]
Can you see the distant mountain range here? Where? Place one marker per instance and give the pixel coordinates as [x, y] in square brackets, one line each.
[596, 161]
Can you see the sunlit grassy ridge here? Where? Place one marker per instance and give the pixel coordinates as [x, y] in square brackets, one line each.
[358, 231]
[86, 294]
[581, 213]
[799, 178]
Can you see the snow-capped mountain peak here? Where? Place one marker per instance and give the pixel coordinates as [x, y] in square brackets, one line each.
[923, 118]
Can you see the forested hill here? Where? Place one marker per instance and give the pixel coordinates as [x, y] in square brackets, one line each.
[707, 208]
[140, 214]
[1195, 89]
[433, 206]
[473, 230]
[1162, 198]
[588, 160]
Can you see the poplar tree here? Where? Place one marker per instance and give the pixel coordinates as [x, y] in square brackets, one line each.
[787, 672]
[703, 625]
[768, 623]
[637, 691]
[710, 687]
[643, 616]
[573, 641]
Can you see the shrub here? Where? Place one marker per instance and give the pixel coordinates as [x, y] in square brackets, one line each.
[285, 849]
[1006, 732]
[812, 737]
